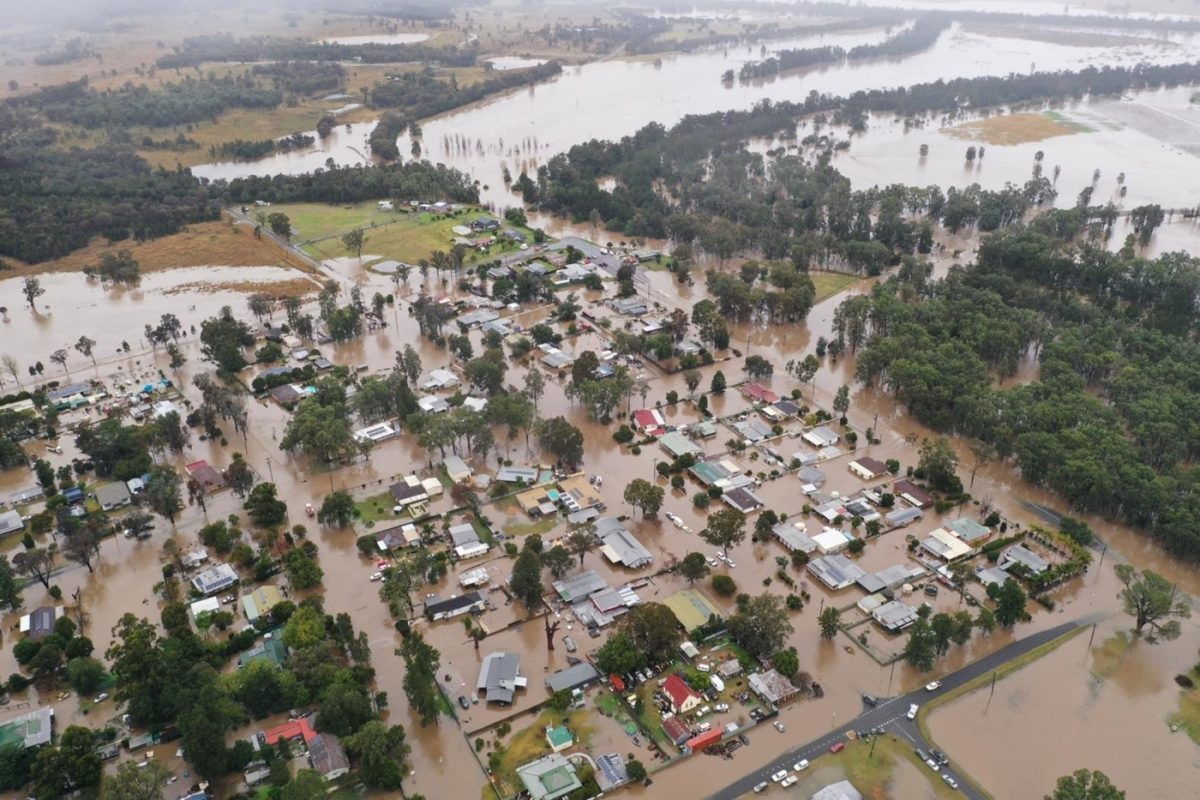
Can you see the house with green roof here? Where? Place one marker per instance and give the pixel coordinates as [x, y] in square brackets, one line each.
[272, 650]
[549, 778]
[559, 738]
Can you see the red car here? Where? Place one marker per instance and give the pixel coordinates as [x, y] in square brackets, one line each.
[837, 747]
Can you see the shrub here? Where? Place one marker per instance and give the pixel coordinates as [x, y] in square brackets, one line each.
[724, 585]
[623, 435]
[701, 500]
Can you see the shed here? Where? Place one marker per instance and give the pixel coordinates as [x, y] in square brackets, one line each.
[676, 730]
[457, 469]
[703, 740]
[691, 608]
[559, 738]
[771, 686]
[11, 522]
[573, 677]
[40, 621]
[868, 468]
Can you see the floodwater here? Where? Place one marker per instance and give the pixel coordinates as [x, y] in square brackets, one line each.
[377, 38]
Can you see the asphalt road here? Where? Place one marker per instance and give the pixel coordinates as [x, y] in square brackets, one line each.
[891, 714]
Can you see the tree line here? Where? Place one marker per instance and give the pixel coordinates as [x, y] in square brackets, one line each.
[199, 50]
[922, 35]
[1107, 424]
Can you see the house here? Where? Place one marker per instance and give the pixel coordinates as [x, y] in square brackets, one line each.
[579, 587]
[440, 379]
[409, 491]
[209, 605]
[831, 540]
[287, 395]
[836, 571]
[689, 347]
[753, 430]
[894, 616]
[549, 777]
[772, 687]
[729, 669]
[820, 437]
[290, 731]
[705, 429]
[327, 757]
[485, 224]
[474, 403]
[432, 404]
[31, 729]
[466, 541]
[969, 531]
[398, 537]
[271, 649]
[903, 516]
[757, 393]
[40, 621]
[260, 602]
[73, 495]
[691, 608]
[630, 306]
[889, 578]
[557, 360]
[742, 499]
[454, 606]
[576, 494]
[194, 557]
[525, 475]
[648, 420]
[474, 577]
[256, 772]
[677, 445]
[911, 493]
[500, 677]
[473, 319]
[536, 502]
[1022, 555]
[11, 522]
[206, 475]
[559, 738]
[811, 478]
[842, 790]
[215, 579]
[945, 545]
[868, 468]
[619, 545]
[830, 511]
[375, 433]
[989, 575]
[572, 678]
[682, 697]
[676, 730]
[787, 408]
[112, 495]
[793, 537]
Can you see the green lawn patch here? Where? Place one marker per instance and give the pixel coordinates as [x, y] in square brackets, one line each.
[529, 743]
[540, 526]
[375, 508]
[1107, 657]
[444, 706]
[1188, 715]
[871, 772]
[828, 284]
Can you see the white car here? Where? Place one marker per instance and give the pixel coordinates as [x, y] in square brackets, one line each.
[953, 784]
[729, 561]
[801, 765]
[912, 711]
[933, 686]
[788, 781]
[100, 698]
[712, 562]
[721, 707]
[376, 576]
[686, 529]
[779, 726]
[759, 788]
[778, 776]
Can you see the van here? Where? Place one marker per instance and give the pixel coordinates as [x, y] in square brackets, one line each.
[704, 727]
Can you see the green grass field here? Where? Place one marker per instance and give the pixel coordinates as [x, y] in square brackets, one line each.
[1188, 715]
[375, 508]
[871, 772]
[828, 284]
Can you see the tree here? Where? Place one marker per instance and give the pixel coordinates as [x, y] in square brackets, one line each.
[636, 770]
[938, 463]
[1150, 599]
[421, 662]
[163, 493]
[562, 440]
[758, 368]
[344, 709]
[306, 784]
[321, 430]
[786, 662]
[337, 510]
[84, 346]
[718, 383]
[82, 546]
[59, 357]
[582, 541]
[381, 755]
[409, 364]
[1085, 784]
[761, 625]
[264, 507]
[85, 674]
[135, 782]
[305, 628]
[32, 289]
[725, 528]
[619, 655]
[558, 560]
[921, 648]
[694, 567]
[10, 589]
[526, 583]
[841, 401]
[239, 476]
[37, 563]
[70, 767]
[642, 494]
[829, 620]
[303, 570]
[280, 224]
[653, 629]
[724, 585]
[354, 240]
[1010, 602]
[223, 340]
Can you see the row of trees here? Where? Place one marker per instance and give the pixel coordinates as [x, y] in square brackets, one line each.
[198, 50]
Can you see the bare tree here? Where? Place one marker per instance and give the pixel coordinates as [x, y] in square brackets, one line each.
[37, 563]
[84, 346]
[11, 367]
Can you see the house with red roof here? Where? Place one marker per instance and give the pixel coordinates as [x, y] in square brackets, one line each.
[683, 698]
[649, 421]
[676, 730]
[758, 393]
[289, 731]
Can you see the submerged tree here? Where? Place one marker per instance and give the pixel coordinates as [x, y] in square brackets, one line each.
[1150, 599]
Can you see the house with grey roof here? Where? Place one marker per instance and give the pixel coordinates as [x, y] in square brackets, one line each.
[11, 522]
[40, 621]
[620, 546]
[500, 677]
[215, 579]
[112, 495]
[576, 676]
[894, 616]
[327, 757]
[793, 538]
[1020, 554]
[677, 445]
[455, 606]
[835, 571]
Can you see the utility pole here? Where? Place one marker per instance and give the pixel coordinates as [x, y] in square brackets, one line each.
[890, 676]
[270, 471]
[990, 694]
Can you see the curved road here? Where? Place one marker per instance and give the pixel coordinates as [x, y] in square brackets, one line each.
[891, 714]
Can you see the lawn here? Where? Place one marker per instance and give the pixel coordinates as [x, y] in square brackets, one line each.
[1188, 715]
[375, 508]
[1107, 657]
[871, 773]
[529, 743]
[540, 527]
[1007, 129]
[828, 284]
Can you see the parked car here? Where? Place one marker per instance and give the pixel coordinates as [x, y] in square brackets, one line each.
[912, 711]
[779, 726]
[376, 576]
[778, 776]
[100, 698]
[788, 781]
[931, 589]
[939, 757]
[933, 686]
[801, 765]
[837, 747]
[870, 700]
[933, 765]
[464, 702]
[759, 788]
[953, 784]
[569, 643]
[721, 707]
[712, 562]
